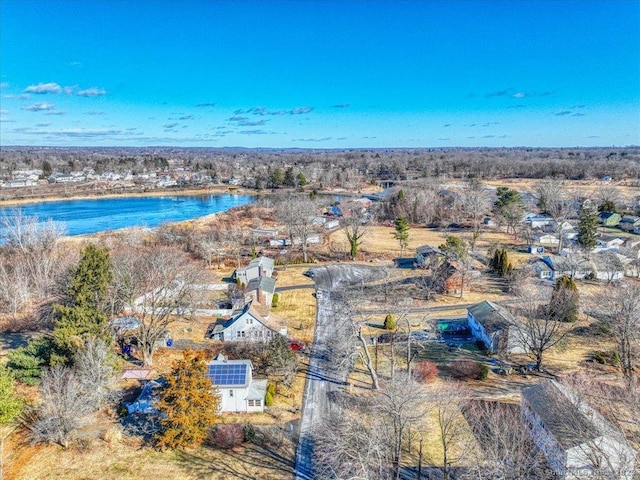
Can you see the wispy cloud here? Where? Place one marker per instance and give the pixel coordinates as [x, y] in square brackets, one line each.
[255, 132]
[186, 117]
[93, 112]
[301, 110]
[205, 104]
[55, 112]
[323, 139]
[42, 88]
[578, 114]
[71, 132]
[516, 94]
[39, 107]
[255, 123]
[91, 92]
[169, 126]
[262, 111]
[447, 125]
[340, 105]
[4, 85]
[75, 64]
[4, 112]
[562, 113]
[579, 105]
[43, 125]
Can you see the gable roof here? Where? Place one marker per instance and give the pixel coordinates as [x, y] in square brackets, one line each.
[249, 310]
[425, 250]
[493, 317]
[572, 422]
[267, 284]
[263, 261]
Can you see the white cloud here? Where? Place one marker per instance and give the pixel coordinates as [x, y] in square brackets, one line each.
[92, 92]
[39, 107]
[4, 85]
[43, 88]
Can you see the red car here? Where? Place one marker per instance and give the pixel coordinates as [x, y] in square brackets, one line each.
[296, 345]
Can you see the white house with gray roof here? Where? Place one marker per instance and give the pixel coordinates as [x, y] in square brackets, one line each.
[239, 391]
[249, 325]
[258, 267]
[579, 442]
[495, 327]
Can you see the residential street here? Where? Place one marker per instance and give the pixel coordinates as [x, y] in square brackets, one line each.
[322, 380]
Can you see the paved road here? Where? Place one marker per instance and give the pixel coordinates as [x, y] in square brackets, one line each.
[323, 381]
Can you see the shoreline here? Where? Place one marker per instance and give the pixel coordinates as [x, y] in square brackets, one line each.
[221, 190]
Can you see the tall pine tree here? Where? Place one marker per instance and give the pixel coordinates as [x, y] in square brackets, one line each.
[587, 225]
[83, 315]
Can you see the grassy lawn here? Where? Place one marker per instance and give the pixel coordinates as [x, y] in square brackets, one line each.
[124, 460]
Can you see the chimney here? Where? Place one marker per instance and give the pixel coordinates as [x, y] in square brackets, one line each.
[261, 296]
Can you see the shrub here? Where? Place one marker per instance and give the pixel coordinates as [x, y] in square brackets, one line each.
[275, 300]
[270, 395]
[600, 358]
[389, 322]
[425, 372]
[248, 432]
[228, 436]
[465, 370]
[484, 372]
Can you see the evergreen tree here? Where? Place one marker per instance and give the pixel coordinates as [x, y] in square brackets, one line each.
[189, 403]
[84, 313]
[301, 179]
[402, 233]
[10, 403]
[455, 249]
[289, 180]
[390, 322]
[587, 226]
[564, 305]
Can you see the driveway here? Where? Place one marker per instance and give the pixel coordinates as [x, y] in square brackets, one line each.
[323, 381]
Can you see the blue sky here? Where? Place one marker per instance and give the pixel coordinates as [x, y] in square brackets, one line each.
[320, 74]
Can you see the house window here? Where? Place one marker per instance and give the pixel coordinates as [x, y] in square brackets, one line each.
[231, 393]
[249, 321]
[258, 402]
[255, 403]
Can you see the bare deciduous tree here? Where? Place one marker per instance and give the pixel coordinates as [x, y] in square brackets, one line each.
[622, 314]
[156, 284]
[64, 407]
[33, 244]
[555, 200]
[447, 401]
[535, 330]
[355, 229]
[94, 371]
[297, 213]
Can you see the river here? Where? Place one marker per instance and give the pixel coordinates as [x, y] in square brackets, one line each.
[81, 217]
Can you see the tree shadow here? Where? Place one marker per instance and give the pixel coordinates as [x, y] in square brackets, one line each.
[251, 462]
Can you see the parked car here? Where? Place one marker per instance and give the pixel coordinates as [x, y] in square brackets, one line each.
[296, 345]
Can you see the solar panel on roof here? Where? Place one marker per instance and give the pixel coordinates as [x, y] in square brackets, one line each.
[228, 374]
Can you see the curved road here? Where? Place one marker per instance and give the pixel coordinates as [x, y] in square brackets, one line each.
[322, 380]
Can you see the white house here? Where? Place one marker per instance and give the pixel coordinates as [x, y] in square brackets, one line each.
[577, 441]
[552, 267]
[258, 267]
[495, 326]
[608, 266]
[239, 391]
[546, 239]
[609, 242]
[248, 325]
[538, 221]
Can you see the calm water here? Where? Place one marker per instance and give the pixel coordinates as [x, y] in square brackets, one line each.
[81, 217]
